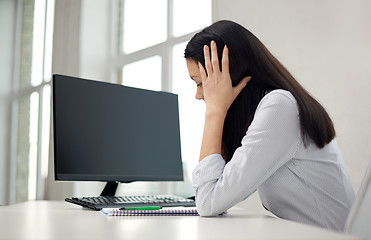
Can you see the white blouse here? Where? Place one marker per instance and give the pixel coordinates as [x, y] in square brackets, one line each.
[303, 184]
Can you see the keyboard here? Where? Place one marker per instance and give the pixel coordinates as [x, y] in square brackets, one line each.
[97, 203]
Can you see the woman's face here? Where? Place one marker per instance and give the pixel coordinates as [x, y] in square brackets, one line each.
[194, 73]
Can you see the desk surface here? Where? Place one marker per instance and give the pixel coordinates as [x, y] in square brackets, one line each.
[62, 220]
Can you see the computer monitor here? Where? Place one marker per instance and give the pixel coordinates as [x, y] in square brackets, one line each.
[113, 133]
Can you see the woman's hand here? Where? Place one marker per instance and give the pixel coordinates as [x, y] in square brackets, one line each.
[219, 93]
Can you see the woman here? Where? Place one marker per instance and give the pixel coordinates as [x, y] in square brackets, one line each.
[263, 132]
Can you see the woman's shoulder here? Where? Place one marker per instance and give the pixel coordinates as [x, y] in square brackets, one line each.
[279, 97]
[280, 93]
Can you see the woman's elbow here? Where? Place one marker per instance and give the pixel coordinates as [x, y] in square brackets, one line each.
[207, 211]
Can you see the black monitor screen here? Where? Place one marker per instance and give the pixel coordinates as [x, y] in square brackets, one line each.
[110, 132]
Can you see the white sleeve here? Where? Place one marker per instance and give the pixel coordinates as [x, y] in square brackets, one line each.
[271, 141]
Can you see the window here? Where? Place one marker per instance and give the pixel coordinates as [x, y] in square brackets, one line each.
[143, 26]
[152, 39]
[31, 100]
[150, 78]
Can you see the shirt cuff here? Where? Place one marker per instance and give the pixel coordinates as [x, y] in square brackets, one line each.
[209, 169]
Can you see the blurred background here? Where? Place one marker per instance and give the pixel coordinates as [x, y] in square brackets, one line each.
[325, 44]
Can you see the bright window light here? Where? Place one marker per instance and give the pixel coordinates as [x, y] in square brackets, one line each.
[45, 132]
[190, 15]
[145, 24]
[33, 135]
[38, 42]
[49, 27]
[145, 74]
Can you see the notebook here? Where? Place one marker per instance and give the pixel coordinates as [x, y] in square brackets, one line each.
[168, 211]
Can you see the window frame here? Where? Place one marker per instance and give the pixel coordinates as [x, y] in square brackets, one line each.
[163, 49]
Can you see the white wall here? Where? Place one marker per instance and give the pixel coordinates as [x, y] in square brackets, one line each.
[7, 33]
[327, 46]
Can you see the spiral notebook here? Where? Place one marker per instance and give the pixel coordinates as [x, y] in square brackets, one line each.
[168, 211]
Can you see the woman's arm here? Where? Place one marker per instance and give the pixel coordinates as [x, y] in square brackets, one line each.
[212, 136]
[272, 139]
[219, 94]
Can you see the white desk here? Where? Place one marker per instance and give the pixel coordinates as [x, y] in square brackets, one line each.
[61, 220]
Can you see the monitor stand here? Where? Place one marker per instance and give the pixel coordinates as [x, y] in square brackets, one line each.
[110, 189]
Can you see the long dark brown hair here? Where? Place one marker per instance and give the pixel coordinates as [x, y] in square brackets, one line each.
[249, 57]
